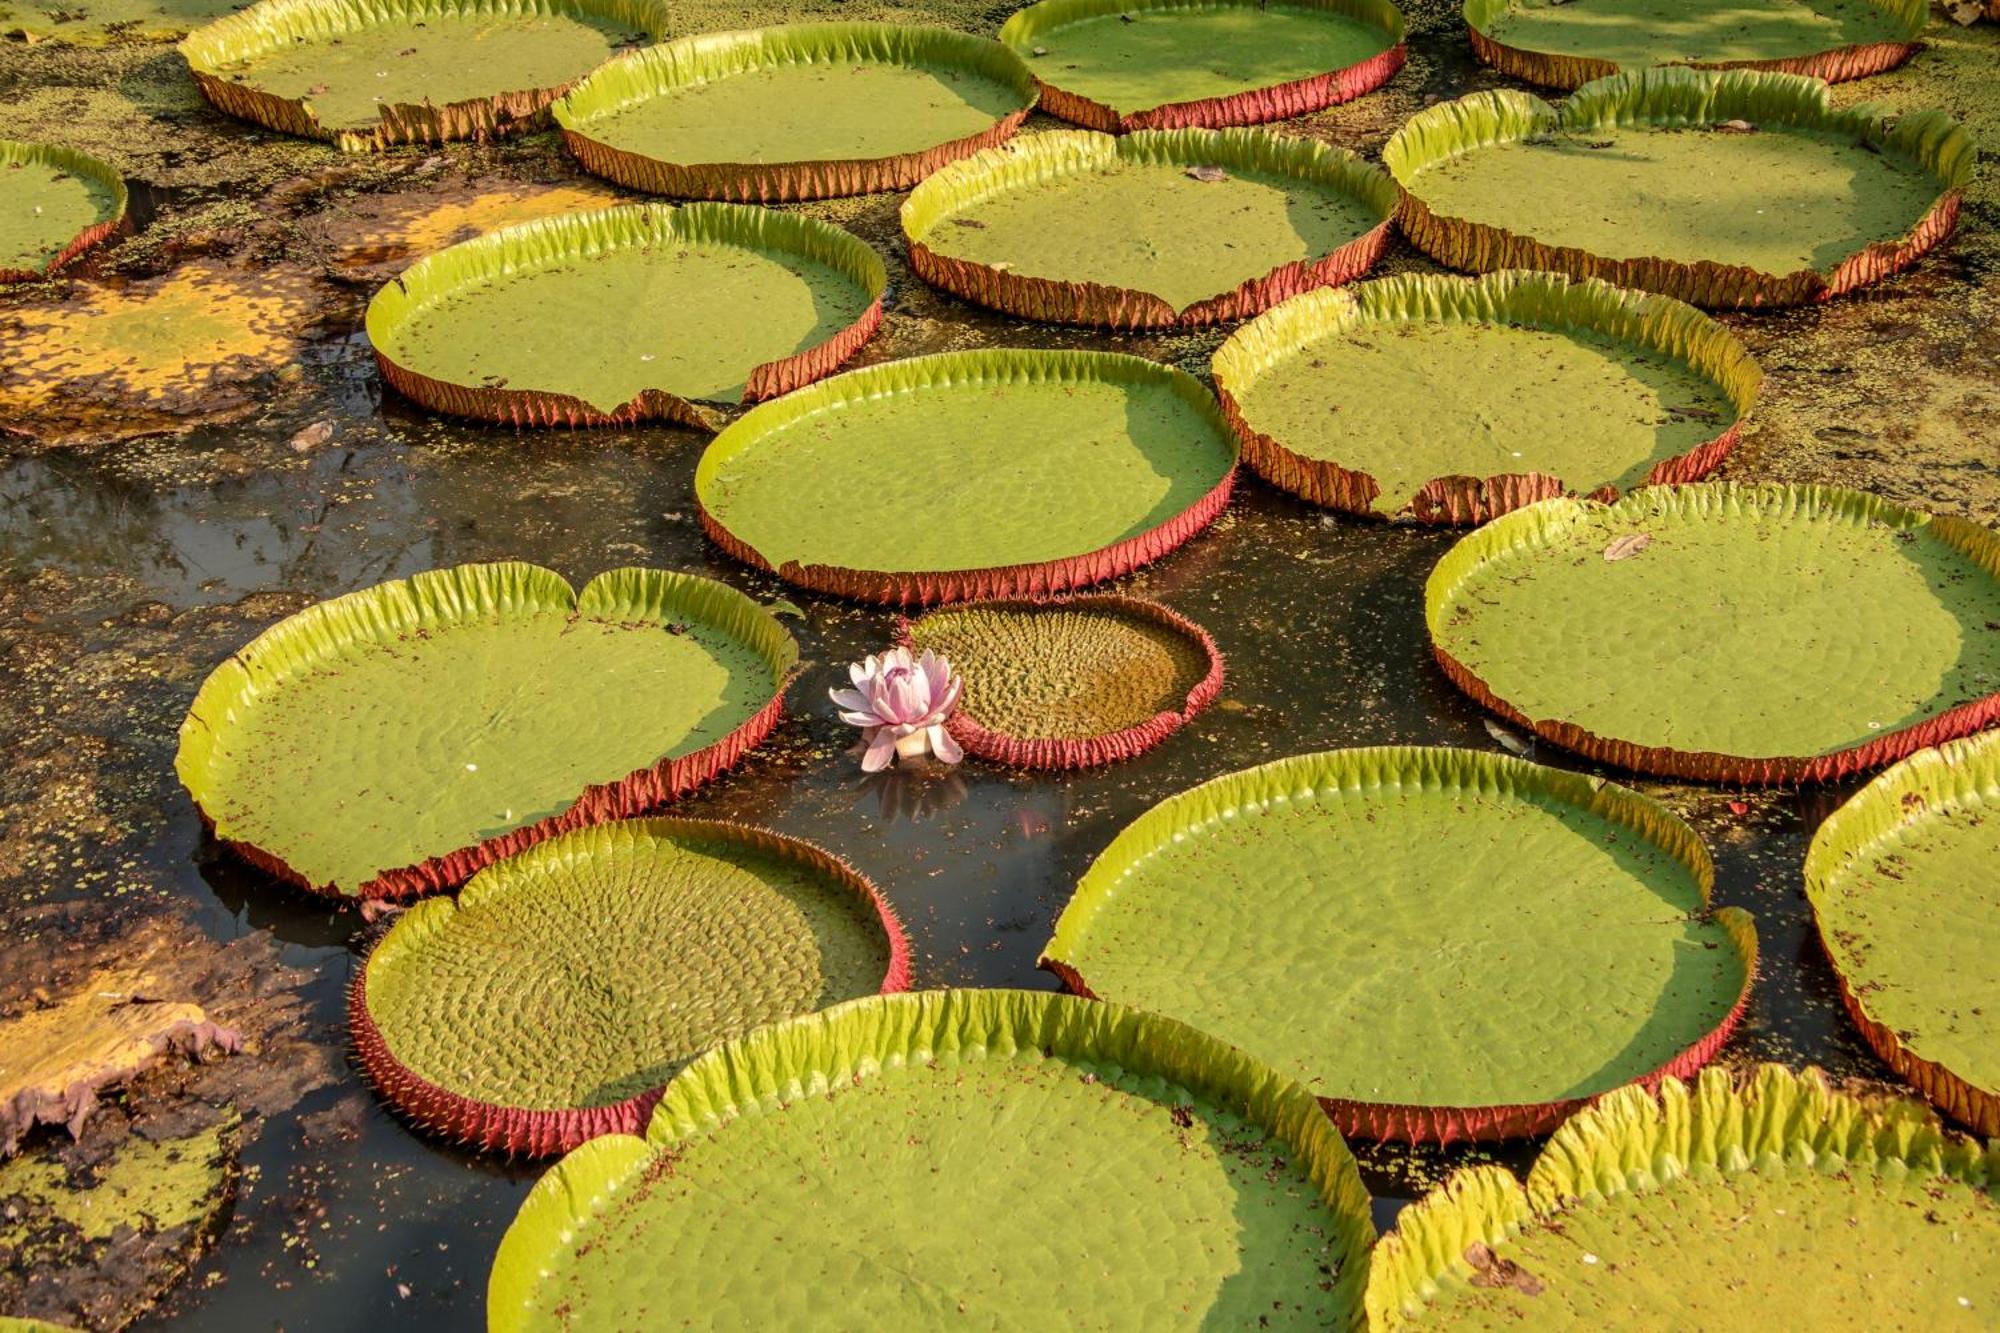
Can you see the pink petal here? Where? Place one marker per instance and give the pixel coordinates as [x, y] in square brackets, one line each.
[944, 747]
[852, 700]
[881, 749]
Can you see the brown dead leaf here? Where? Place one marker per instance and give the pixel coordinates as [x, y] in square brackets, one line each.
[1735, 127]
[312, 437]
[1965, 13]
[1490, 1270]
[1628, 546]
[1210, 174]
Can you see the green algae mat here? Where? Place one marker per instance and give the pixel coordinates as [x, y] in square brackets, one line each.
[397, 739]
[800, 111]
[103, 22]
[1567, 43]
[1776, 1203]
[554, 999]
[1903, 886]
[1175, 64]
[991, 1158]
[1450, 400]
[365, 74]
[1393, 927]
[55, 203]
[1723, 189]
[1016, 473]
[1070, 682]
[1074, 227]
[738, 304]
[1785, 633]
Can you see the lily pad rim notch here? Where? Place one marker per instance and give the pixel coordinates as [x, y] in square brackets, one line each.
[273, 25]
[1252, 106]
[1947, 778]
[1638, 1141]
[872, 1037]
[1930, 142]
[425, 600]
[540, 1132]
[1041, 157]
[564, 237]
[84, 167]
[1059, 753]
[942, 370]
[658, 70]
[1640, 319]
[1279, 780]
[1563, 71]
[1535, 524]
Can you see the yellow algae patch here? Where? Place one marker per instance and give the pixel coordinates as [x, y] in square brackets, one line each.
[376, 236]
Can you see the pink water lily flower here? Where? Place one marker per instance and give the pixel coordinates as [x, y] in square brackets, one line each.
[900, 703]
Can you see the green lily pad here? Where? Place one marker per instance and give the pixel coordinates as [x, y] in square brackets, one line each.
[1779, 1203]
[1017, 472]
[1902, 884]
[1452, 400]
[55, 203]
[1422, 912]
[368, 73]
[1083, 228]
[1722, 189]
[1170, 64]
[1566, 43]
[102, 22]
[742, 303]
[800, 111]
[565, 986]
[399, 738]
[1070, 682]
[1781, 633]
[1001, 1159]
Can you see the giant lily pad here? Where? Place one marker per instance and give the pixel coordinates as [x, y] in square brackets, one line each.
[1723, 189]
[1779, 1203]
[1567, 43]
[1902, 884]
[399, 738]
[1450, 400]
[1421, 912]
[552, 1001]
[1071, 682]
[1173, 64]
[740, 304]
[1083, 228]
[55, 204]
[1783, 633]
[1017, 473]
[365, 74]
[1001, 1159]
[804, 111]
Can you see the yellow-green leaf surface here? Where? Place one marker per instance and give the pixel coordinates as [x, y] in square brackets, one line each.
[997, 1159]
[1637, 33]
[1397, 926]
[421, 717]
[1761, 621]
[723, 289]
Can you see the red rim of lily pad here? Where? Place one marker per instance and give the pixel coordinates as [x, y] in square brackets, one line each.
[1056, 753]
[1312, 164]
[535, 1132]
[1253, 106]
[85, 167]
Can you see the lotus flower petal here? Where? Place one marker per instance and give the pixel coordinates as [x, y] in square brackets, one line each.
[896, 696]
[943, 746]
[881, 749]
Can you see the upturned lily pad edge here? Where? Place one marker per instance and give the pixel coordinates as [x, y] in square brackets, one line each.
[650, 72]
[531, 243]
[275, 24]
[1657, 323]
[85, 167]
[541, 1132]
[1927, 140]
[1637, 1140]
[1064, 152]
[1839, 64]
[1526, 526]
[1253, 106]
[1949, 777]
[1282, 779]
[808, 1056]
[933, 587]
[1057, 754]
[440, 596]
